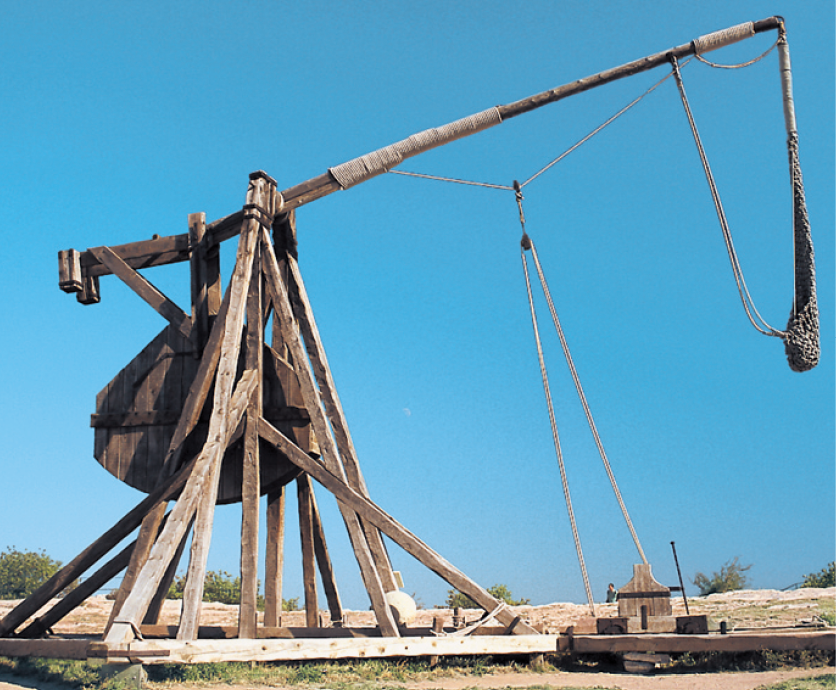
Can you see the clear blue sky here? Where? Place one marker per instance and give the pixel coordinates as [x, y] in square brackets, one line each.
[119, 119]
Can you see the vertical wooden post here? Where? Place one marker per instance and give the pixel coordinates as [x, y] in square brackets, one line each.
[274, 559]
[205, 280]
[251, 486]
[304, 492]
[326, 570]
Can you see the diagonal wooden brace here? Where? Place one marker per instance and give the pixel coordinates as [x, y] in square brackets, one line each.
[362, 506]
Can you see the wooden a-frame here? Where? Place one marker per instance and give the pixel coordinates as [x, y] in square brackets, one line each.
[222, 449]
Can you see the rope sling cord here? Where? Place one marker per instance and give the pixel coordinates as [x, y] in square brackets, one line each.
[801, 337]
[552, 421]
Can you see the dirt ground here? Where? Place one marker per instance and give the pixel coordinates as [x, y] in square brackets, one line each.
[610, 681]
[745, 609]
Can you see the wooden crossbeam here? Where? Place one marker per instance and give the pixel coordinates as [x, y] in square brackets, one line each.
[362, 506]
[143, 287]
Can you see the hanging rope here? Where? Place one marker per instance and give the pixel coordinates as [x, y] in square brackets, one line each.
[527, 244]
[553, 423]
[748, 304]
[801, 341]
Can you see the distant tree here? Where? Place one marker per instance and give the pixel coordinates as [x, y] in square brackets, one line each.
[22, 572]
[290, 604]
[221, 587]
[456, 599]
[825, 578]
[730, 578]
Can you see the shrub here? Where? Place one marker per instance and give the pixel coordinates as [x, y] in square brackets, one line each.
[221, 587]
[825, 578]
[730, 578]
[22, 572]
[458, 600]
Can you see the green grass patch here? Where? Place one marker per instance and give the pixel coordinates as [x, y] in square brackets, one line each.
[825, 682]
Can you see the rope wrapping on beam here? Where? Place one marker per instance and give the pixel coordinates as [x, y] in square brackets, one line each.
[380, 161]
[724, 37]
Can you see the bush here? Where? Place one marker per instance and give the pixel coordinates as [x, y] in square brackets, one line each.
[221, 587]
[729, 579]
[22, 572]
[458, 600]
[825, 578]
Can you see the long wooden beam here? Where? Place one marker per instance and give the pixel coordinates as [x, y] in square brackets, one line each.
[176, 248]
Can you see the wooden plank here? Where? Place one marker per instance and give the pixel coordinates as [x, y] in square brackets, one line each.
[148, 531]
[284, 314]
[49, 649]
[363, 507]
[733, 642]
[251, 485]
[198, 392]
[323, 561]
[328, 389]
[274, 558]
[208, 651]
[261, 194]
[304, 493]
[142, 287]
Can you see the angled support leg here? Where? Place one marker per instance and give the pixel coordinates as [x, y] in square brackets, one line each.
[284, 312]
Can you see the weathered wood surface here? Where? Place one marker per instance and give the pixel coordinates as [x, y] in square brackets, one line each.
[156, 401]
[350, 500]
[641, 591]
[284, 314]
[274, 558]
[323, 561]
[49, 649]
[251, 462]
[304, 494]
[733, 642]
[143, 287]
[207, 651]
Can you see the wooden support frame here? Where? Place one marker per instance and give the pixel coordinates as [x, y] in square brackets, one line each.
[261, 284]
